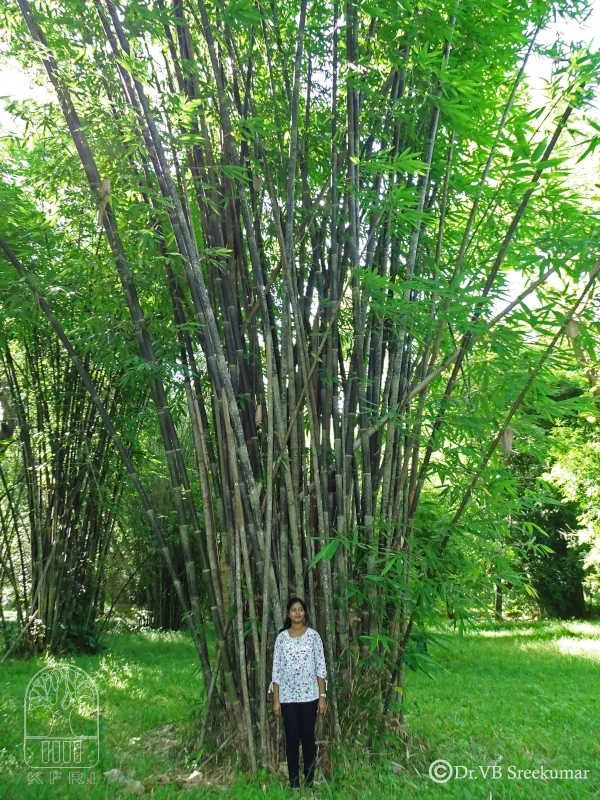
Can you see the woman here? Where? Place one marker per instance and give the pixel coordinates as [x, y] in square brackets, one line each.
[299, 688]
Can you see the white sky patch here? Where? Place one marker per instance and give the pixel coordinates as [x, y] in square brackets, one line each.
[15, 84]
[539, 69]
[538, 75]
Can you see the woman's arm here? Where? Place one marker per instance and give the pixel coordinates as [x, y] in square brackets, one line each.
[320, 665]
[321, 672]
[322, 698]
[276, 678]
[276, 703]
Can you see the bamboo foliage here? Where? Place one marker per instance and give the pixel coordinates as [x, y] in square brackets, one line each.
[61, 491]
[303, 177]
[103, 412]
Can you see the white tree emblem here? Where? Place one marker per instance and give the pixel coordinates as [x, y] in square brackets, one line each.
[61, 713]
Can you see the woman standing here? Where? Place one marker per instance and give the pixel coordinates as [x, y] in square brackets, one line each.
[299, 685]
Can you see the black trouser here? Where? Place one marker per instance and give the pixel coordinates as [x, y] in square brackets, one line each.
[299, 720]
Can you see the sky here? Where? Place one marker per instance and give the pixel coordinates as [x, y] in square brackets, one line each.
[539, 70]
[588, 32]
[16, 85]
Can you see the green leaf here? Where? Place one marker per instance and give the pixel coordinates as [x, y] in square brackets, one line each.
[326, 553]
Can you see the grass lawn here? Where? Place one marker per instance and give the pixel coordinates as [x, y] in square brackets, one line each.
[514, 697]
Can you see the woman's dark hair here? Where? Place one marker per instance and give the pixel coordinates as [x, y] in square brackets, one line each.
[287, 623]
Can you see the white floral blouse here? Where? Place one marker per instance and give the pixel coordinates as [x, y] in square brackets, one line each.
[297, 661]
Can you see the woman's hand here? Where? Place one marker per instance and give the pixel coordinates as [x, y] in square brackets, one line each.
[277, 708]
[322, 705]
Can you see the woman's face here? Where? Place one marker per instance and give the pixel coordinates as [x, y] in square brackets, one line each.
[296, 613]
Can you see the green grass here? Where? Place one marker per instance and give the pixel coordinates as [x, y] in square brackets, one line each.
[517, 695]
[529, 694]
